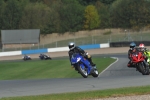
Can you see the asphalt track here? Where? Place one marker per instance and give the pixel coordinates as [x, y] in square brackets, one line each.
[115, 76]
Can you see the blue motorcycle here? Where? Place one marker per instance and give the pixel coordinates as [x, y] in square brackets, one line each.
[83, 66]
[26, 57]
[44, 57]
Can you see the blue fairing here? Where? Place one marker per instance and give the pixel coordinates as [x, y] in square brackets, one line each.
[85, 63]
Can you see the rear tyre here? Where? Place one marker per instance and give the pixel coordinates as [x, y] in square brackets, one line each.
[83, 72]
[144, 69]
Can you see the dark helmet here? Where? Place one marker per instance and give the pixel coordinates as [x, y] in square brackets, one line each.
[71, 45]
[132, 45]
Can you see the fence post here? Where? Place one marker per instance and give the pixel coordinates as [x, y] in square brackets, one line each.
[92, 39]
[56, 43]
[3, 48]
[110, 38]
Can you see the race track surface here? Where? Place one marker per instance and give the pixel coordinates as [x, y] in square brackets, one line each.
[115, 76]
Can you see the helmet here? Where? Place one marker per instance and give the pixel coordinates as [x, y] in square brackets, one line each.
[141, 46]
[132, 45]
[71, 45]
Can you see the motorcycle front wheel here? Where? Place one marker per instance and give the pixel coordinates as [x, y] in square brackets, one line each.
[95, 73]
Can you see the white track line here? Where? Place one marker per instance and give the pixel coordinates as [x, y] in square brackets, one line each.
[109, 66]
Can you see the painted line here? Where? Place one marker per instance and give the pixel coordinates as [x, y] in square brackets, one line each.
[109, 65]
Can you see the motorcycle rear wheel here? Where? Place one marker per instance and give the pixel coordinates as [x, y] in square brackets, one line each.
[83, 72]
[144, 69]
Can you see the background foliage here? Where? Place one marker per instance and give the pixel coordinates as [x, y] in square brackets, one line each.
[73, 15]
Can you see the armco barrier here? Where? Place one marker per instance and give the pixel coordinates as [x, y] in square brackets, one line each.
[59, 49]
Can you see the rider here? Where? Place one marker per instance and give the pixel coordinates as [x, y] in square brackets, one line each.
[143, 49]
[42, 55]
[132, 49]
[75, 49]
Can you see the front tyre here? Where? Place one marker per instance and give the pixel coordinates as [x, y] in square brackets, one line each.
[24, 59]
[82, 71]
[95, 73]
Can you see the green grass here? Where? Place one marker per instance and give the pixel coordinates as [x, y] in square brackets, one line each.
[88, 95]
[45, 69]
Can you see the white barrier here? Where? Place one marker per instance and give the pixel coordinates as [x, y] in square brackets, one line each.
[59, 49]
[11, 53]
[104, 45]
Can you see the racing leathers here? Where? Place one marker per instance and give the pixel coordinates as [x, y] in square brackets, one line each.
[82, 52]
[144, 50]
[130, 64]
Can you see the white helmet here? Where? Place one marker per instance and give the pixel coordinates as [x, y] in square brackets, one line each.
[71, 45]
[142, 46]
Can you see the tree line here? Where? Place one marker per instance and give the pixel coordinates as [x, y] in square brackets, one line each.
[59, 16]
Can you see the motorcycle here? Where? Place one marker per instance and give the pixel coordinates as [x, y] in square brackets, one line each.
[83, 66]
[44, 57]
[139, 62]
[26, 57]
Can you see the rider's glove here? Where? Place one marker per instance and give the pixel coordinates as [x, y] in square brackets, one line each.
[85, 54]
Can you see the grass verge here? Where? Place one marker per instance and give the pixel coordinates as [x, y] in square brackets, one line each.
[88, 95]
[45, 69]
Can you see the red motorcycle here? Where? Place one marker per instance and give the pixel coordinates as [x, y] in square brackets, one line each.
[140, 63]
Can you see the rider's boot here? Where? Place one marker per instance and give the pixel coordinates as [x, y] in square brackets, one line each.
[90, 60]
[128, 65]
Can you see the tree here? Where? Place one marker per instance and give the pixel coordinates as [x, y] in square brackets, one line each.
[54, 22]
[34, 1]
[71, 16]
[12, 14]
[35, 15]
[108, 2]
[130, 13]
[141, 14]
[92, 19]
[86, 2]
[103, 11]
[120, 14]
[2, 5]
